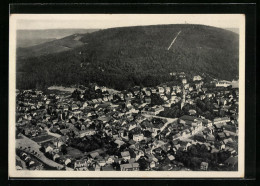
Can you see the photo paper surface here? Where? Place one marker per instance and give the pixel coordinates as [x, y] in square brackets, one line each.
[126, 95]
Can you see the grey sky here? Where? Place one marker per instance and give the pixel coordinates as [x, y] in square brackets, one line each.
[88, 21]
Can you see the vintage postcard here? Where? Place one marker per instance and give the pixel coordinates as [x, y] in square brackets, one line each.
[126, 95]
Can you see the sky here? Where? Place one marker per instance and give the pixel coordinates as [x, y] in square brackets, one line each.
[102, 21]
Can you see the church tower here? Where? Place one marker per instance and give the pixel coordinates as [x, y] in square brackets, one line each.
[183, 97]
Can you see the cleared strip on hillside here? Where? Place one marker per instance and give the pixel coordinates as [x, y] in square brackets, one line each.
[173, 40]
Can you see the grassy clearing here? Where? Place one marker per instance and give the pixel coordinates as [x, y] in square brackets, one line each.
[74, 152]
[42, 139]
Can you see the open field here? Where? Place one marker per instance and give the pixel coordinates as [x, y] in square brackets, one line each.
[72, 152]
[42, 139]
[62, 89]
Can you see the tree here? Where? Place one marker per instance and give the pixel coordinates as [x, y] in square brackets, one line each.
[64, 149]
[193, 150]
[223, 155]
[156, 100]
[116, 166]
[143, 164]
[195, 163]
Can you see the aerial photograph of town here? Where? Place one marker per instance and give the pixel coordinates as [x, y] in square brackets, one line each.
[159, 96]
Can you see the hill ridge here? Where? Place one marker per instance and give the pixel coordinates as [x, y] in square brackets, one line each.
[127, 56]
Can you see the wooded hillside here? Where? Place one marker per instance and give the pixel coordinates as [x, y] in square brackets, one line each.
[128, 56]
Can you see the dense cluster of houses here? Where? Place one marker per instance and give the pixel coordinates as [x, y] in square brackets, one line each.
[30, 162]
[129, 120]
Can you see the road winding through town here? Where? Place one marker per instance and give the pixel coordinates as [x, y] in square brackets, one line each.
[30, 146]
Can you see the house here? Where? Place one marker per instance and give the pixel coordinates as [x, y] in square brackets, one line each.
[96, 87]
[190, 123]
[160, 90]
[152, 164]
[27, 159]
[173, 74]
[48, 148]
[104, 119]
[188, 118]
[171, 157]
[158, 150]
[214, 150]
[94, 154]
[81, 165]
[74, 107]
[196, 78]
[232, 161]
[88, 132]
[148, 151]
[125, 155]
[132, 126]
[206, 122]
[31, 163]
[23, 155]
[138, 154]
[103, 89]
[105, 98]
[220, 136]
[223, 83]
[210, 138]
[85, 104]
[192, 112]
[227, 140]
[115, 136]
[218, 128]
[67, 161]
[64, 131]
[55, 156]
[199, 137]
[186, 86]
[225, 119]
[138, 137]
[204, 166]
[110, 97]
[231, 144]
[184, 81]
[156, 110]
[231, 128]
[129, 167]
[192, 130]
[110, 160]
[219, 145]
[185, 132]
[128, 104]
[158, 143]
[101, 162]
[148, 100]
[97, 167]
[148, 92]
[57, 143]
[209, 95]
[151, 158]
[184, 145]
[182, 74]
[167, 90]
[202, 97]
[18, 165]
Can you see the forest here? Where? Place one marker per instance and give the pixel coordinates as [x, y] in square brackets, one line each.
[124, 57]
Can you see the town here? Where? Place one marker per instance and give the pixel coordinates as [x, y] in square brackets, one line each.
[189, 125]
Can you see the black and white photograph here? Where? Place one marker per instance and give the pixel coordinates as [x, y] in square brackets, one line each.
[126, 95]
